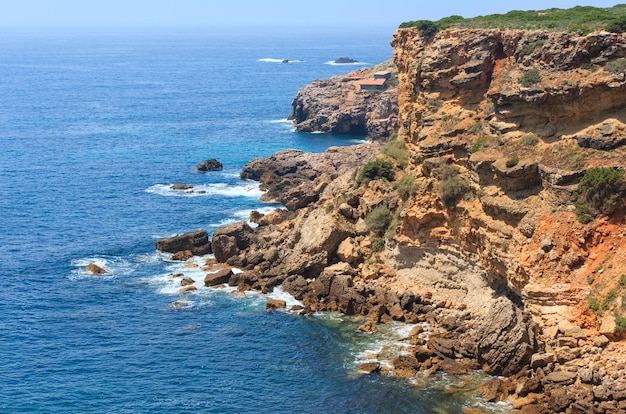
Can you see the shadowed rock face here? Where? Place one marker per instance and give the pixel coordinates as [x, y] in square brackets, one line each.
[197, 242]
[338, 106]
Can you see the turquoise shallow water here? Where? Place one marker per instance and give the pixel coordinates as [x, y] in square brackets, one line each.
[94, 128]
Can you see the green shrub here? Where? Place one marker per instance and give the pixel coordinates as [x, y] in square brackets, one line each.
[378, 244]
[529, 139]
[406, 186]
[477, 145]
[593, 303]
[620, 324]
[452, 189]
[622, 280]
[598, 192]
[529, 48]
[511, 162]
[396, 149]
[530, 77]
[617, 26]
[616, 66]
[379, 219]
[584, 18]
[424, 26]
[376, 170]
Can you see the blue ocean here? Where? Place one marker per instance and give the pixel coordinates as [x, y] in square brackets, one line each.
[95, 126]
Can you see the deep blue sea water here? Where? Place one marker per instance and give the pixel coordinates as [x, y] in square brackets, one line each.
[94, 128]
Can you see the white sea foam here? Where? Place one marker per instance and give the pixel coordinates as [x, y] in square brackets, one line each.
[247, 189]
[333, 63]
[279, 294]
[114, 265]
[274, 60]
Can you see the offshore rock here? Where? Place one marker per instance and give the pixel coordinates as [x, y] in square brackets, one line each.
[209, 165]
[197, 242]
[94, 269]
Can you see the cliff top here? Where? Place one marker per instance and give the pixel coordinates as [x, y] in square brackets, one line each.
[580, 18]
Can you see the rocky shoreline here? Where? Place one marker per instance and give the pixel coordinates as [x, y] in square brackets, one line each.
[323, 256]
[467, 221]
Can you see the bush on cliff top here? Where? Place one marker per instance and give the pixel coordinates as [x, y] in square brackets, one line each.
[579, 18]
[599, 192]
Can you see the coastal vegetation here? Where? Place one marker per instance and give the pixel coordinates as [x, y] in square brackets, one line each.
[453, 187]
[580, 18]
[598, 192]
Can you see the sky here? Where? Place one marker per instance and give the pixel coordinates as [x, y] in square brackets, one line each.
[219, 13]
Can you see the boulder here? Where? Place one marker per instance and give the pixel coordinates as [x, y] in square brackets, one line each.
[181, 187]
[230, 240]
[195, 241]
[495, 389]
[209, 165]
[182, 256]
[94, 269]
[274, 304]
[219, 277]
[505, 339]
[187, 281]
[369, 368]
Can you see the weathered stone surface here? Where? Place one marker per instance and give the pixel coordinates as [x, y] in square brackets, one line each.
[209, 165]
[541, 360]
[337, 106]
[506, 339]
[219, 277]
[369, 368]
[182, 255]
[297, 179]
[187, 281]
[230, 240]
[274, 304]
[561, 377]
[94, 269]
[195, 241]
[495, 389]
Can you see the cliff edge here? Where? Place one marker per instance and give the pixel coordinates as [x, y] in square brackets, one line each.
[495, 215]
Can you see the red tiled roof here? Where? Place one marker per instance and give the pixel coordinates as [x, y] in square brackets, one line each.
[378, 82]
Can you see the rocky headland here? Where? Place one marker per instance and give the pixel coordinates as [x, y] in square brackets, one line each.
[472, 219]
[338, 105]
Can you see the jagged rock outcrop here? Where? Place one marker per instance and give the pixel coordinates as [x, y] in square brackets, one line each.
[337, 105]
[296, 178]
[197, 242]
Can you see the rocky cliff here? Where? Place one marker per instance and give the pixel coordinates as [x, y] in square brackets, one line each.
[338, 105]
[468, 220]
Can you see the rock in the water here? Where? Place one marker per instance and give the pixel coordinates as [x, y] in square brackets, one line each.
[219, 277]
[506, 339]
[181, 187]
[94, 269]
[273, 304]
[369, 368]
[197, 242]
[345, 59]
[182, 256]
[187, 281]
[209, 165]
